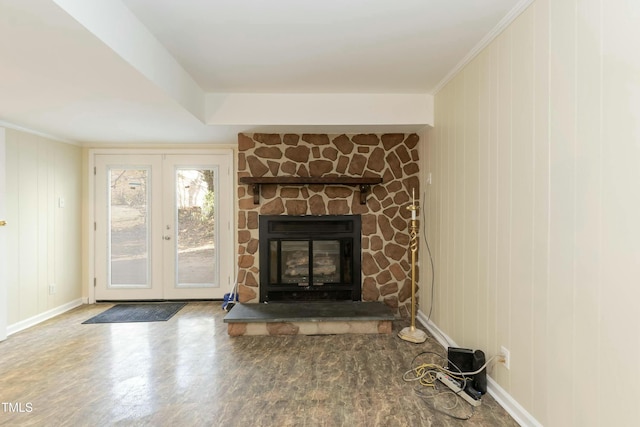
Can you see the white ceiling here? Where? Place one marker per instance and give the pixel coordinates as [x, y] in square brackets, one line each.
[90, 72]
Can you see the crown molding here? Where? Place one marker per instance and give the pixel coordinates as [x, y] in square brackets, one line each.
[486, 40]
[37, 133]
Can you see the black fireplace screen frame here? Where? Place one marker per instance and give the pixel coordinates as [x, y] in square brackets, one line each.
[346, 229]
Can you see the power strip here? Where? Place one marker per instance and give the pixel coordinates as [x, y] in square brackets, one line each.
[455, 387]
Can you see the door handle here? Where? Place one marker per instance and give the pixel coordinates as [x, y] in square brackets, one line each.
[166, 237]
[3, 223]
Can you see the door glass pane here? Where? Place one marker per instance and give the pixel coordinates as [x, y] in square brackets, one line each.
[128, 225]
[295, 262]
[195, 228]
[326, 261]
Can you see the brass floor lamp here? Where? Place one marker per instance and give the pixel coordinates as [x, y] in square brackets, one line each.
[411, 333]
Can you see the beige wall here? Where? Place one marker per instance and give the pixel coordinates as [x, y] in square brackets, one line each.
[534, 210]
[44, 240]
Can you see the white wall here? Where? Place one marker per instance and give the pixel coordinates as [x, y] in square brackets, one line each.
[44, 239]
[534, 210]
[348, 110]
[3, 240]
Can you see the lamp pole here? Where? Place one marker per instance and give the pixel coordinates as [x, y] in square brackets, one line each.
[411, 333]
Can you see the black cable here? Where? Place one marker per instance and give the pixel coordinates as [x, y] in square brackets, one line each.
[449, 362]
[425, 399]
[457, 394]
[433, 271]
[464, 383]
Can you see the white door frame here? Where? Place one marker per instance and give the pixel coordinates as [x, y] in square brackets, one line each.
[91, 270]
[4, 312]
[152, 287]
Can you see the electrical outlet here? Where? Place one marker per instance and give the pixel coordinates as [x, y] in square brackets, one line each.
[506, 357]
[52, 289]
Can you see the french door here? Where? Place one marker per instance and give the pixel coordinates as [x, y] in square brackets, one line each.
[163, 226]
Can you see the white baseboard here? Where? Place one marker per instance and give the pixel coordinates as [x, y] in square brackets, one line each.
[514, 409]
[442, 338]
[32, 321]
[500, 395]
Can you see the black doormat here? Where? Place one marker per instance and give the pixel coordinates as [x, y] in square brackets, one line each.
[124, 313]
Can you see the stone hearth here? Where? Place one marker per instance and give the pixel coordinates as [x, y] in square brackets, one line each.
[385, 235]
[310, 318]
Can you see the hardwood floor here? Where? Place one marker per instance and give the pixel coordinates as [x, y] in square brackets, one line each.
[188, 371]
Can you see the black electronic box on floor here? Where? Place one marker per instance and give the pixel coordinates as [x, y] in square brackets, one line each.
[467, 360]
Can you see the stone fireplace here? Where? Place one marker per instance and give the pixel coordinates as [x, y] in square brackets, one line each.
[384, 257]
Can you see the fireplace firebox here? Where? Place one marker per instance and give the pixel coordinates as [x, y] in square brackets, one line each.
[310, 258]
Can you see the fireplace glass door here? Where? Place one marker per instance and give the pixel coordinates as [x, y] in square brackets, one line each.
[309, 262]
[309, 258]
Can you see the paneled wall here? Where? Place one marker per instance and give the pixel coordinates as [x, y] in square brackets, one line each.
[534, 211]
[44, 235]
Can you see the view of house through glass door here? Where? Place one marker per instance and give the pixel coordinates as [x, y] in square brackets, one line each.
[163, 226]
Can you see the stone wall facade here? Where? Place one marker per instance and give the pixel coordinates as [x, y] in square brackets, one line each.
[386, 274]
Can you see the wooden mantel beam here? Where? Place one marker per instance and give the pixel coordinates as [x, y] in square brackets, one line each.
[364, 183]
